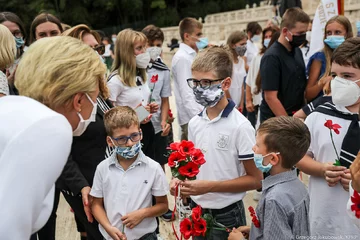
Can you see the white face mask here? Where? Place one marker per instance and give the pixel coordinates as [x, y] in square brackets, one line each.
[344, 92]
[256, 38]
[143, 60]
[154, 52]
[308, 36]
[83, 124]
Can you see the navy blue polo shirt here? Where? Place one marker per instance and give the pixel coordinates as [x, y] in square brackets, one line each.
[283, 71]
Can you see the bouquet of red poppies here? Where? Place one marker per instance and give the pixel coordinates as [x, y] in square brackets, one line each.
[194, 225]
[185, 160]
[333, 127]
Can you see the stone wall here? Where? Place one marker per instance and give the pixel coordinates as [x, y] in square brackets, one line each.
[217, 27]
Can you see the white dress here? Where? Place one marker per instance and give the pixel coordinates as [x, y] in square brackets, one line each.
[237, 79]
[35, 143]
[4, 86]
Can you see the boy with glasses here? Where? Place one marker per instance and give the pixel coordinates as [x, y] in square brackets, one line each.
[125, 182]
[226, 138]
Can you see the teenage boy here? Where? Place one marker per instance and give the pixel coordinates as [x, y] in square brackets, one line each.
[282, 211]
[159, 83]
[253, 30]
[329, 184]
[125, 182]
[226, 138]
[191, 35]
[282, 71]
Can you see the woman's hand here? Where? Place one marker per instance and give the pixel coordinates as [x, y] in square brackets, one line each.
[333, 173]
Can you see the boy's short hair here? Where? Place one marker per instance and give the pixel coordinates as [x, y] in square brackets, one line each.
[188, 25]
[153, 33]
[120, 117]
[287, 135]
[348, 53]
[214, 59]
[253, 27]
[292, 16]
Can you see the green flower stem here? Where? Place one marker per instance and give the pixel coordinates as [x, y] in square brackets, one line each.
[220, 229]
[332, 141]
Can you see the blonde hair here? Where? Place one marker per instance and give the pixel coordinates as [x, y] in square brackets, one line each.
[344, 21]
[125, 62]
[8, 47]
[54, 69]
[120, 117]
[214, 59]
[79, 32]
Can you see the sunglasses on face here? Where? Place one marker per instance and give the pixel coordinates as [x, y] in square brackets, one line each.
[100, 49]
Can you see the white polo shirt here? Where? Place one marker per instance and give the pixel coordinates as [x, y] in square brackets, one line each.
[126, 191]
[226, 141]
[328, 215]
[186, 105]
[124, 95]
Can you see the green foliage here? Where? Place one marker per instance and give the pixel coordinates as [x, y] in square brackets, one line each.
[113, 15]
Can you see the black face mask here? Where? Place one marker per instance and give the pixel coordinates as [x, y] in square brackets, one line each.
[298, 40]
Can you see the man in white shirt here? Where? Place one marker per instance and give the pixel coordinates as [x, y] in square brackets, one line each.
[253, 30]
[190, 32]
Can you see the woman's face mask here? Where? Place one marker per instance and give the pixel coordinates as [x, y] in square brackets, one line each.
[84, 123]
[334, 41]
[240, 50]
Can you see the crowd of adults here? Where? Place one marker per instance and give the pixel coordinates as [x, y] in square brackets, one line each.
[55, 87]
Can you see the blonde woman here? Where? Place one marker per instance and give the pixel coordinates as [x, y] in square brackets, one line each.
[36, 139]
[7, 57]
[236, 42]
[337, 30]
[127, 83]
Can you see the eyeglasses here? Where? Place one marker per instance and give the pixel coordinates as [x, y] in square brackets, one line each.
[134, 137]
[100, 49]
[203, 83]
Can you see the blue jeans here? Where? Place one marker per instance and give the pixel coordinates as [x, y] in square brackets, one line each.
[233, 218]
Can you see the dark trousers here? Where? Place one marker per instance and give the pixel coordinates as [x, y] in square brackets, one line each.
[91, 229]
[253, 116]
[148, 133]
[231, 218]
[49, 229]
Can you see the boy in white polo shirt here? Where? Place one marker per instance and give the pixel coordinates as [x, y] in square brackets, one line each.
[125, 182]
[226, 138]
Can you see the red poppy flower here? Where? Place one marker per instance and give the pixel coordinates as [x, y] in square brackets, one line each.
[255, 221]
[355, 207]
[175, 146]
[196, 213]
[175, 157]
[170, 113]
[186, 147]
[200, 227]
[154, 78]
[329, 124]
[198, 156]
[190, 170]
[186, 228]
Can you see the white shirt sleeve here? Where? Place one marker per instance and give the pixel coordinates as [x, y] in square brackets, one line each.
[245, 140]
[348, 208]
[31, 162]
[252, 73]
[115, 87]
[183, 72]
[97, 189]
[161, 186]
[166, 89]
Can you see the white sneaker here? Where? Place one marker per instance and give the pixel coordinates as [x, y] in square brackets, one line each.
[257, 196]
[159, 237]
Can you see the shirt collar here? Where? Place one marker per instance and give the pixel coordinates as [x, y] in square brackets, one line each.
[224, 113]
[187, 48]
[141, 158]
[270, 181]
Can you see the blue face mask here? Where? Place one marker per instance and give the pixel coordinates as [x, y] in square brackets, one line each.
[19, 42]
[128, 152]
[258, 159]
[266, 42]
[334, 41]
[203, 43]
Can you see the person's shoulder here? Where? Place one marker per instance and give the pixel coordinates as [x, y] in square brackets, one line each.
[115, 78]
[151, 164]
[195, 119]
[104, 164]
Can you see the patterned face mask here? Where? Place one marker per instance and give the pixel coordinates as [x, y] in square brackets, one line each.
[208, 97]
[128, 152]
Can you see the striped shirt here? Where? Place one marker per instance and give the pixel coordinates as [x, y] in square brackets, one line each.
[283, 210]
[104, 107]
